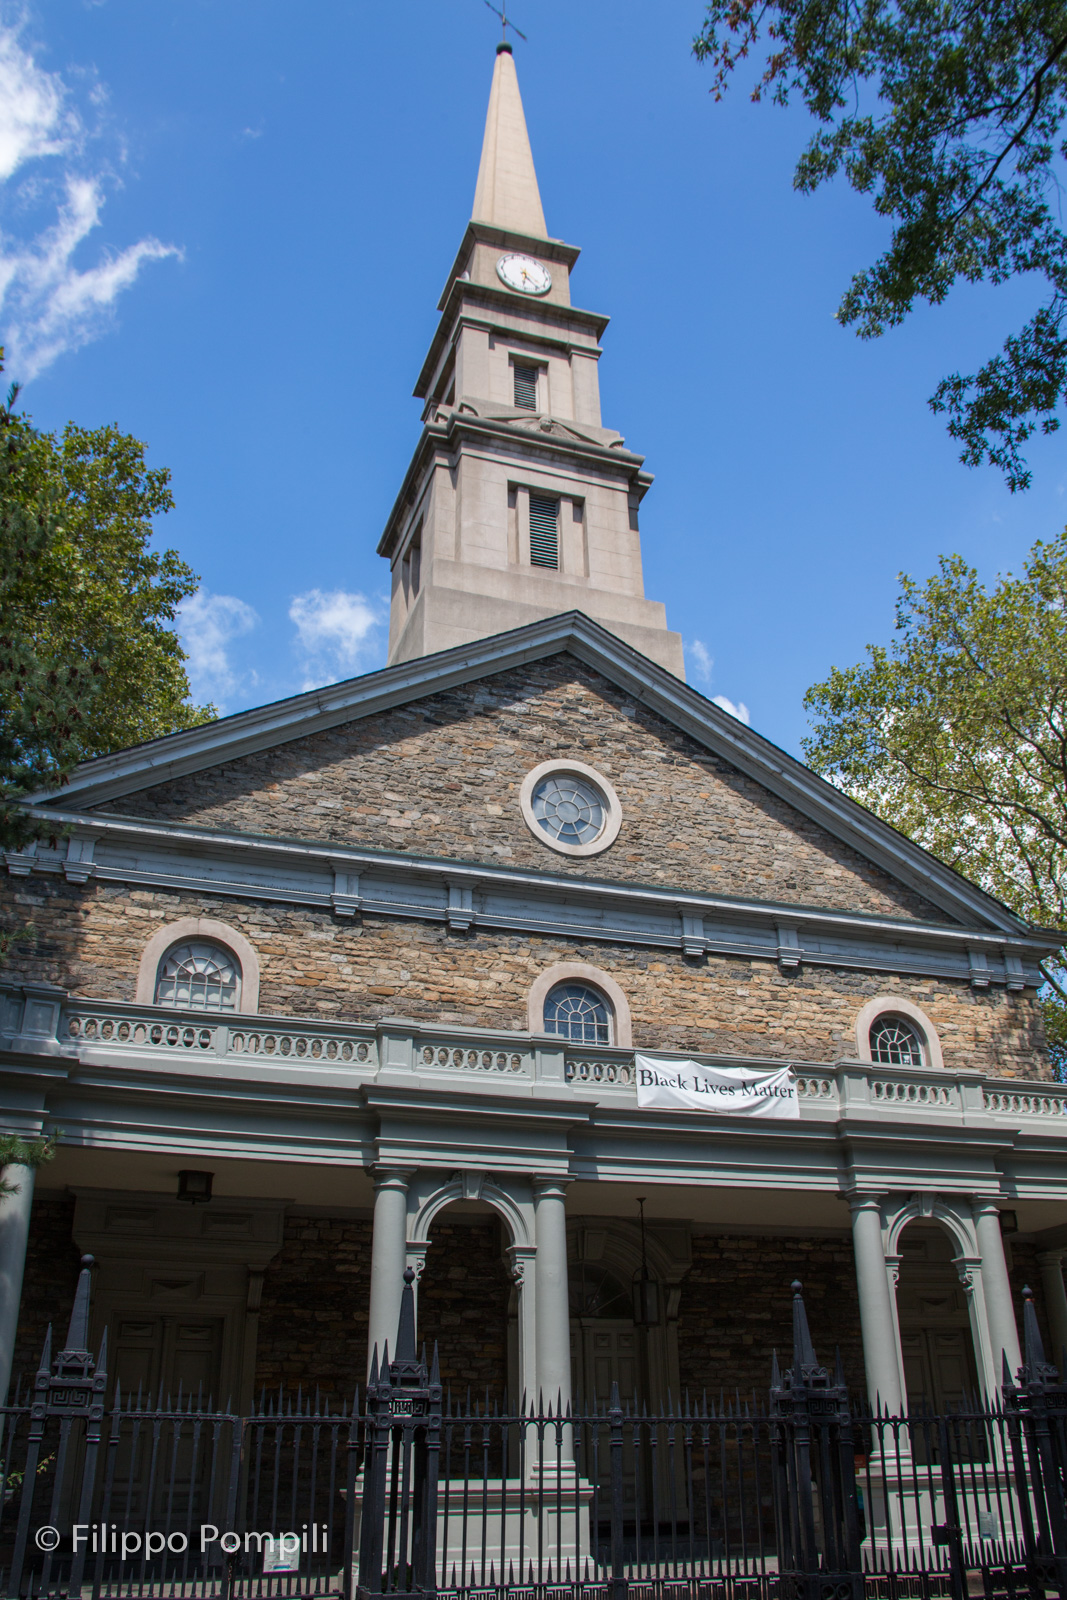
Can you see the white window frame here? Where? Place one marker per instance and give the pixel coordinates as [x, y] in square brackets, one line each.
[596, 978]
[181, 932]
[893, 1005]
[612, 820]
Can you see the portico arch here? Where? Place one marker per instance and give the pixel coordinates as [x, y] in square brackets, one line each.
[532, 1209]
[972, 1225]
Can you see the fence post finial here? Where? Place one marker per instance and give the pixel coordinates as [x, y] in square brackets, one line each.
[805, 1363]
[78, 1331]
[405, 1332]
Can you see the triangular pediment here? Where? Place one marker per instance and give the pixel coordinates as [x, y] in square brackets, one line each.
[765, 827]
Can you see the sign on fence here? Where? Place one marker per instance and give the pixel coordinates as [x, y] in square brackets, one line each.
[729, 1091]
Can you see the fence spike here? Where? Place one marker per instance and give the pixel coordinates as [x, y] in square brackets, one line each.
[1034, 1349]
[405, 1331]
[839, 1370]
[803, 1349]
[1005, 1376]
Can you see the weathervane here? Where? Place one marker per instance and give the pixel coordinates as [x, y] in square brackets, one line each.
[503, 15]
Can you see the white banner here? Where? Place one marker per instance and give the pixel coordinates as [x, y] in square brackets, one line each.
[727, 1091]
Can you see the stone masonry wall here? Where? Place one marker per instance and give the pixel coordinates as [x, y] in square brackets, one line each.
[89, 939]
[316, 1293]
[442, 776]
[464, 1292]
[737, 1308]
[313, 1315]
[51, 1277]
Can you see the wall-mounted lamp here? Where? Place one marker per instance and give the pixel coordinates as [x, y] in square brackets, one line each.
[1009, 1222]
[194, 1187]
[646, 1288]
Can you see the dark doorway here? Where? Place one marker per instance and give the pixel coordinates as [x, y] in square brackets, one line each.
[940, 1373]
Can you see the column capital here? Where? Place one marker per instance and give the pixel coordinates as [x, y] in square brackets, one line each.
[545, 1186]
[983, 1204]
[1051, 1257]
[865, 1200]
[392, 1177]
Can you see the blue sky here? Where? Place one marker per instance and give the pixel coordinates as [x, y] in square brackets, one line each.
[224, 225]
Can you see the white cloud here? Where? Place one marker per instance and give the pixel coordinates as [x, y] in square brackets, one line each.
[333, 632]
[700, 656]
[209, 623]
[34, 120]
[48, 304]
[740, 710]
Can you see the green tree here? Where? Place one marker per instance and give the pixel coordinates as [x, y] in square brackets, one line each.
[24, 1152]
[89, 658]
[957, 735]
[949, 116]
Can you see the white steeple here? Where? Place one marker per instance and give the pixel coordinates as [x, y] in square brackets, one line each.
[518, 504]
[506, 194]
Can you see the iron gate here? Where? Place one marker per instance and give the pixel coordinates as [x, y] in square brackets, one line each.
[801, 1496]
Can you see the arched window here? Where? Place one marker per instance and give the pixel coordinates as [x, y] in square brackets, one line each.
[199, 976]
[895, 1043]
[579, 1012]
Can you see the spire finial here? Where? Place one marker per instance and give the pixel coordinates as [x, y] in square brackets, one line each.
[505, 24]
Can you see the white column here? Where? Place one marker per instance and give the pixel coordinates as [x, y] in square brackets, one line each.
[553, 1361]
[881, 1357]
[996, 1289]
[388, 1258]
[14, 1231]
[1055, 1296]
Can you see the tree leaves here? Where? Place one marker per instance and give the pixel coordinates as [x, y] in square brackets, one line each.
[948, 115]
[957, 733]
[89, 659]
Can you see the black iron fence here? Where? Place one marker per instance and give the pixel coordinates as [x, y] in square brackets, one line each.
[805, 1497]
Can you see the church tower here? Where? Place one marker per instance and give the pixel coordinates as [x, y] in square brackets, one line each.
[518, 504]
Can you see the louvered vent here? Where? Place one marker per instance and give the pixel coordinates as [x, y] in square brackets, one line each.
[544, 532]
[526, 387]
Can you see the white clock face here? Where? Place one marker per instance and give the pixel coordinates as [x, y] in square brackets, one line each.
[524, 274]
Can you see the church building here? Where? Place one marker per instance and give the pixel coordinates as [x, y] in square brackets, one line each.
[427, 969]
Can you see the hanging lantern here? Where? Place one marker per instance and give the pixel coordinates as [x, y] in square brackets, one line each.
[646, 1287]
[194, 1187]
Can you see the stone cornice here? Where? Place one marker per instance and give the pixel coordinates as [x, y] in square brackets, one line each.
[107, 778]
[463, 894]
[464, 290]
[458, 427]
[505, 239]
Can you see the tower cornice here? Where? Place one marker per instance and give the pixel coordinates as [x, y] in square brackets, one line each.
[506, 239]
[452, 429]
[464, 293]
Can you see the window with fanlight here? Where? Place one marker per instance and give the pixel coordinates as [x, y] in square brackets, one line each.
[199, 975]
[895, 1043]
[578, 1012]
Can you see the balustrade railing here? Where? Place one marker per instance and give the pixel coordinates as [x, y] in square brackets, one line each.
[47, 1020]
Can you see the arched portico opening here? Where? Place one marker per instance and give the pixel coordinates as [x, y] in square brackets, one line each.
[607, 1345]
[940, 1365]
[464, 1294]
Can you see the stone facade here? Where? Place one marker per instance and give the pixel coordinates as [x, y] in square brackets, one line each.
[89, 939]
[52, 1262]
[735, 1306]
[441, 777]
[313, 1315]
[464, 1292]
[737, 1309]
